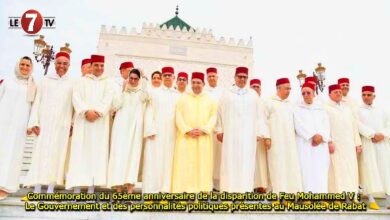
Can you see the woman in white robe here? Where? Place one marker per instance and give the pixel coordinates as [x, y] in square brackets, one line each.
[127, 135]
[16, 96]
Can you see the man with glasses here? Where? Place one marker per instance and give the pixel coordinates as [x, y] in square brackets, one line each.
[196, 115]
[92, 100]
[345, 144]
[312, 136]
[50, 120]
[160, 134]
[215, 93]
[237, 129]
[284, 170]
[181, 82]
[261, 170]
[374, 162]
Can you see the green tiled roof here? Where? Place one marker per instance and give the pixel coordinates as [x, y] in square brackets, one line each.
[176, 22]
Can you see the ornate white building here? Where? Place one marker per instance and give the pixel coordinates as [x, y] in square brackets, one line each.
[173, 43]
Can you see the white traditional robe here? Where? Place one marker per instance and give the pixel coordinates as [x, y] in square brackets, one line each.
[320, 98]
[117, 101]
[119, 84]
[261, 169]
[310, 120]
[127, 138]
[90, 141]
[283, 162]
[238, 118]
[52, 113]
[215, 94]
[14, 114]
[343, 173]
[374, 160]
[352, 103]
[158, 153]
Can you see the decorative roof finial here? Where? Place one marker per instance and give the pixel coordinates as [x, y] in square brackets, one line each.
[177, 10]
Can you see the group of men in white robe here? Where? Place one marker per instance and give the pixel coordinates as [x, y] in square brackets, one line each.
[337, 142]
[118, 129]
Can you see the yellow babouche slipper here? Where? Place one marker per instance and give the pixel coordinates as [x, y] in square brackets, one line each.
[274, 203]
[374, 206]
[24, 198]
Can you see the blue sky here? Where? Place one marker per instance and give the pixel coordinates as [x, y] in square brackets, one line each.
[350, 37]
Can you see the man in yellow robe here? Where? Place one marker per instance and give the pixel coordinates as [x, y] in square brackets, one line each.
[193, 155]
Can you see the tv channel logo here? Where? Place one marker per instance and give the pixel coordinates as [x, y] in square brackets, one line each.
[31, 22]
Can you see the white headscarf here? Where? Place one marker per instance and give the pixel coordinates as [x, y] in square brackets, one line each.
[31, 87]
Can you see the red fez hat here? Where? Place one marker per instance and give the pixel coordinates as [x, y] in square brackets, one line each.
[311, 79]
[368, 89]
[85, 61]
[97, 59]
[198, 75]
[167, 69]
[308, 85]
[282, 81]
[211, 70]
[255, 81]
[62, 54]
[241, 69]
[125, 65]
[333, 87]
[182, 74]
[1, 81]
[343, 80]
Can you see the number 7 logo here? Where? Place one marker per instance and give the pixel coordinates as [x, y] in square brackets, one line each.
[32, 21]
